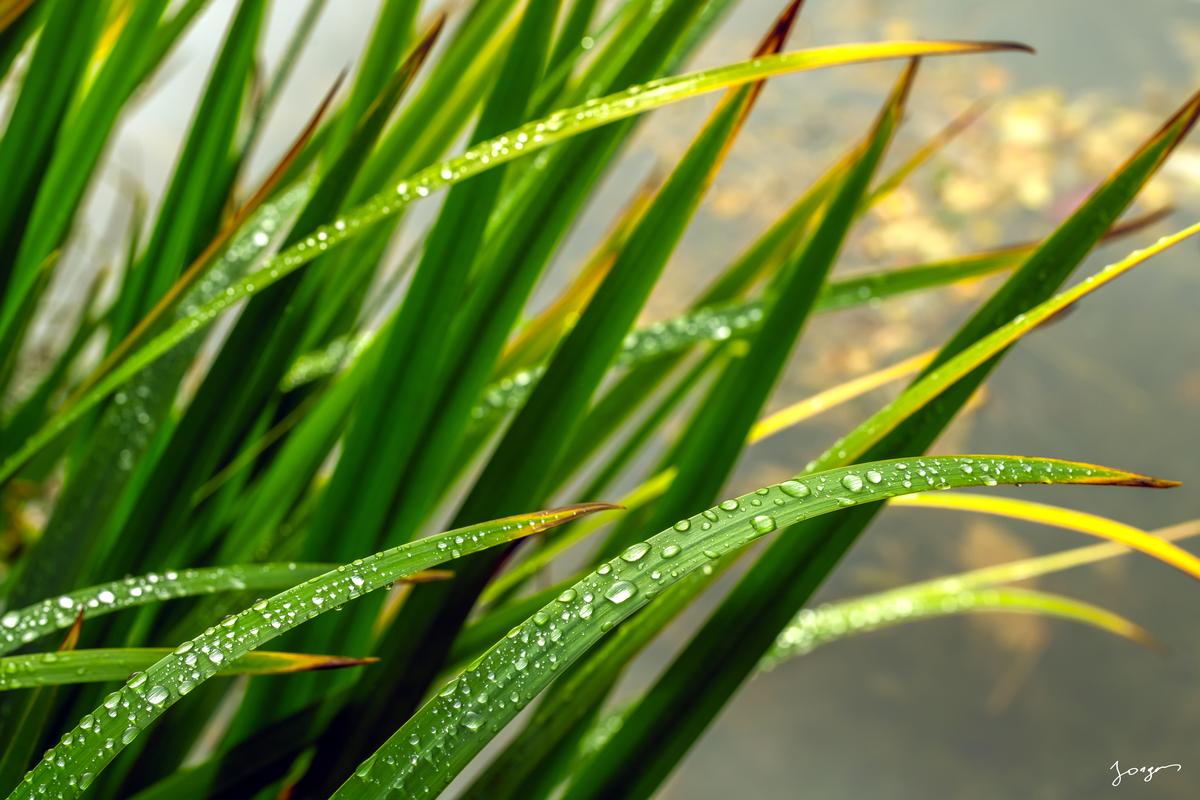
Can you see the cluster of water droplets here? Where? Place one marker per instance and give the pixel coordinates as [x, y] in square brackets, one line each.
[21, 626]
[339, 353]
[829, 622]
[99, 736]
[657, 339]
[507, 394]
[424, 755]
[704, 325]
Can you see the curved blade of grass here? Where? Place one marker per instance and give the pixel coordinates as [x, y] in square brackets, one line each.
[552, 722]
[502, 149]
[117, 664]
[1119, 533]
[69, 767]
[23, 625]
[27, 720]
[478, 635]
[471, 709]
[833, 621]
[811, 629]
[1055, 516]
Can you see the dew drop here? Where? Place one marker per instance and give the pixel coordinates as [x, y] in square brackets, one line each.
[635, 552]
[620, 591]
[763, 523]
[794, 489]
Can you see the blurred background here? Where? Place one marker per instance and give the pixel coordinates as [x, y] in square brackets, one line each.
[979, 706]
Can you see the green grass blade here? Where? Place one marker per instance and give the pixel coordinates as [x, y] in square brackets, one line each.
[26, 720]
[21, 626]
[463, 717]
[969, 591]
[391, 35]
[832, 622]
[107, 665]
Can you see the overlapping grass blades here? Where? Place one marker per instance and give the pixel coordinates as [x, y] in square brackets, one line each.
[519, 142]
[469, 710]
[148, 694]
[205, 454]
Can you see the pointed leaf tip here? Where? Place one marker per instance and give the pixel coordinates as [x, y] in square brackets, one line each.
[777, 36]
[1019, 47]
[338, 662]
[1142, 481]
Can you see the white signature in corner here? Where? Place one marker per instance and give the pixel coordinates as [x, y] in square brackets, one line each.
[1133, 772]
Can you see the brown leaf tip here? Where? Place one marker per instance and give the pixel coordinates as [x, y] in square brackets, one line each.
[339, 662]
[1144, 481]
[1019, 47]
[780, 30]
